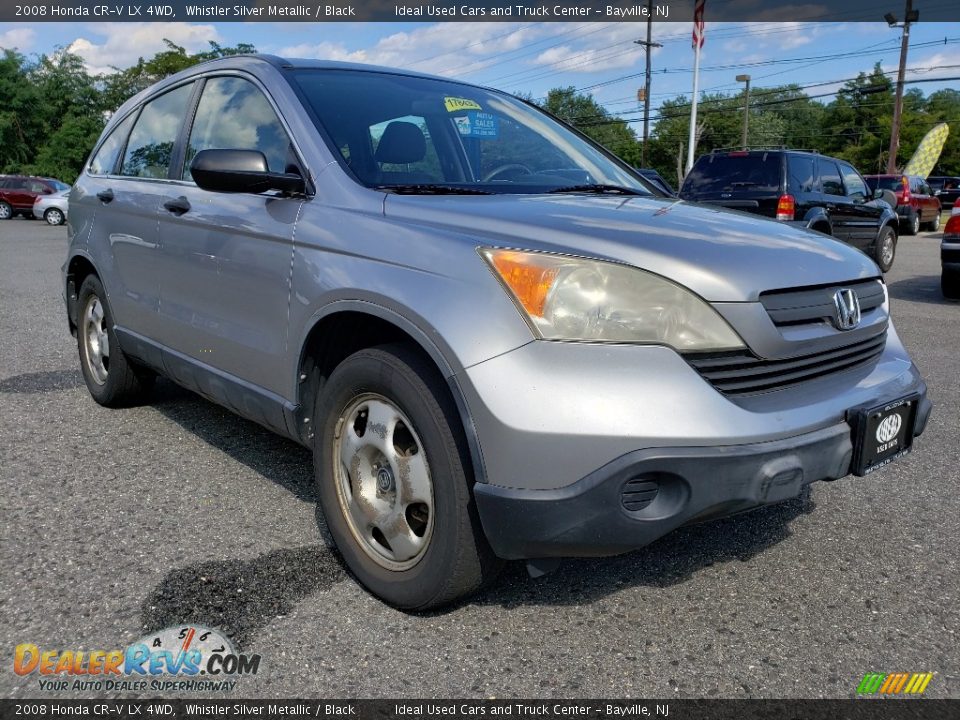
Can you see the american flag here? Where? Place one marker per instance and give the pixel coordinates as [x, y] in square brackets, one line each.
[699, 33]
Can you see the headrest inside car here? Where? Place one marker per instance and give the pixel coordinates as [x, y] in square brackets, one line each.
[401, 142]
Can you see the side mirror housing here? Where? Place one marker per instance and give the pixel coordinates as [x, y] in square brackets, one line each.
[240, 171]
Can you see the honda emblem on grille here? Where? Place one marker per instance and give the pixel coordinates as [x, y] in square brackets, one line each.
[847, 307]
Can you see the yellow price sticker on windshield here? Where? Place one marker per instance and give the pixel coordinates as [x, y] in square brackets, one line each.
[455, 104]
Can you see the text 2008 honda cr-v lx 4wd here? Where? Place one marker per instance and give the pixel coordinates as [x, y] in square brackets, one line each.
[498, 342]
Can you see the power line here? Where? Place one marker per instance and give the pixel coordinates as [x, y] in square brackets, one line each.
[612, 121]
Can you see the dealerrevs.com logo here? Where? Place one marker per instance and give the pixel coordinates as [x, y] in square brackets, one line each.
[183, 658]
[894, 683]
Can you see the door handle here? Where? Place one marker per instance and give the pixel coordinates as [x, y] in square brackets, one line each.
[178, 206]
[105, 195]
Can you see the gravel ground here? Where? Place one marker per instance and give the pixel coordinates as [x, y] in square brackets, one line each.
[116, 523]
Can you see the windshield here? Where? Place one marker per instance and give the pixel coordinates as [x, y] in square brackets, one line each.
[396, 131]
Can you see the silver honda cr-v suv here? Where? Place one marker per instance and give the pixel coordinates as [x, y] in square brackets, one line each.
[498, 340]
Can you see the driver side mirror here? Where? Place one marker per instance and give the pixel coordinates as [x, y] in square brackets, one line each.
[243, 171]
[878, 194]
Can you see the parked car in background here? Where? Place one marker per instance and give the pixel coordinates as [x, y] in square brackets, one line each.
[497, 340]
[946, 188]
[657, 179]
[917, 206]
[798, 187]
[52, 208]
[950, 256]
[17, 193]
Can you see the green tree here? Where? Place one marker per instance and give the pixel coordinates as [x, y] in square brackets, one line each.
[53, 110]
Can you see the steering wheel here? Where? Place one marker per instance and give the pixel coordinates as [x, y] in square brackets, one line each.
[499, 170]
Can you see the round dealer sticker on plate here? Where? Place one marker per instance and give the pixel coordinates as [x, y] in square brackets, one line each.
[888, 429]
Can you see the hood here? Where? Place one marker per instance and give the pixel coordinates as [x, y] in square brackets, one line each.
[722, 255]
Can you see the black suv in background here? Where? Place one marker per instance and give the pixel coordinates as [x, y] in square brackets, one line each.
[801, 187]
[946, 188]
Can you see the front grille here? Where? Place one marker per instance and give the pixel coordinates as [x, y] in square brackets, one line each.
[813, 305]
[744, 373]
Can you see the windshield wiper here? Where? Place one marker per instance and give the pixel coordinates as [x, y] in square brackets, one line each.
[431, 189]
[598, 190]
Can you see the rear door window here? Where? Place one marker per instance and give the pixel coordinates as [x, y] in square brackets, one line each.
[154, 135]
[830, 178]
[801, 170]
[733, 172]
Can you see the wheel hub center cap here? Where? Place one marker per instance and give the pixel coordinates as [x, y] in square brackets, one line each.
[384, 479]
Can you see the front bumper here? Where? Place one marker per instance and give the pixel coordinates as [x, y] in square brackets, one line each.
[561, 427]
[645, 494]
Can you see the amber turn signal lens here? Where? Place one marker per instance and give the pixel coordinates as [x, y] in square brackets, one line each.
[529, 281]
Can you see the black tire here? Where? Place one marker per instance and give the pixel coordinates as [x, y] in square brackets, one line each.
[912, 224]
[54, 216]
[934, 224]
[950, 285]
[122, 384]
[456, 559]
[882, 258]
[6, 211]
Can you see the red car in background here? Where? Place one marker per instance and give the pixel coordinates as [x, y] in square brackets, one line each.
[18, 192]
[917, 206]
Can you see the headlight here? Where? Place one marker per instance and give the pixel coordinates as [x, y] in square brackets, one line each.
[569, 298]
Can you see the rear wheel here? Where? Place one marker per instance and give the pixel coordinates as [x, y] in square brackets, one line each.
[912, 225]
[394, 480]
[111, 377]
[885, 249]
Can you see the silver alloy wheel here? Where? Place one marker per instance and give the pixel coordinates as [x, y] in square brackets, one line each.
[935, 225]
[96, 340]
[5, 211]
[383, 482]
[54, 216]
[886, 250]
[915, 224]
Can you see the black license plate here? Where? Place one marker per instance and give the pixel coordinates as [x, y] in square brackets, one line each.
[883, 434]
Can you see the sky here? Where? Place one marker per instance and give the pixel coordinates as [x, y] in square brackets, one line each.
[535, 57]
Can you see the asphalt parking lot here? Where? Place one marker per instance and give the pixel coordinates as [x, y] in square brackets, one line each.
[116, 523]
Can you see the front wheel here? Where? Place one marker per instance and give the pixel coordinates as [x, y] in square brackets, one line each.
[885, 249]
[394, 479]
[934, 224]
[6, 211]
[54, 216]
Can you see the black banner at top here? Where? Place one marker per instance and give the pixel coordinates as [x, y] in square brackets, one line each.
[465, 10]
[300, 709]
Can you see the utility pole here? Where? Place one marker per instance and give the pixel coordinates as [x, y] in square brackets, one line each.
[647, 45]
[746, 107]
[910, 16]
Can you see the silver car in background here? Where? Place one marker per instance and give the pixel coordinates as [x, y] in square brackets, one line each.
[497, 341]
[53, 208]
